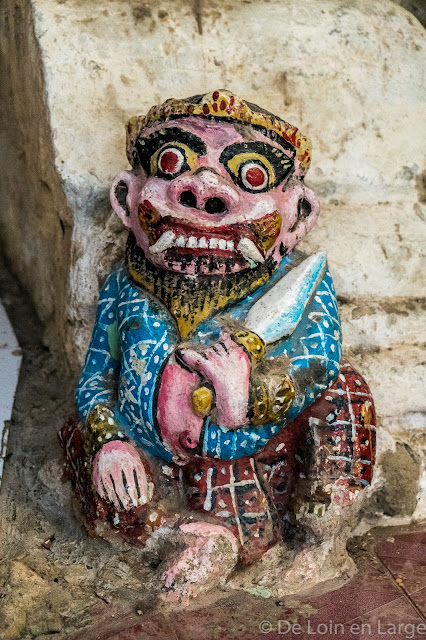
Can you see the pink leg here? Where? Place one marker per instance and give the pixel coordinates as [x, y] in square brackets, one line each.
[209, 557]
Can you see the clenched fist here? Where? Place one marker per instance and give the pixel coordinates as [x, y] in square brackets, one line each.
[226, 365]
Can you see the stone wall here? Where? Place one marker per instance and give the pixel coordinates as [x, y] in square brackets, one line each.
[348, 73]
[36, 220]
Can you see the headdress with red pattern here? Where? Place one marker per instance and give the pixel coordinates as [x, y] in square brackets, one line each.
[221, 105]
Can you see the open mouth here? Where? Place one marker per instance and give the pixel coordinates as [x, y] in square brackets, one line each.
[231, 242]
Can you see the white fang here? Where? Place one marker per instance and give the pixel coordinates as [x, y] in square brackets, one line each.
[249, 250]
[165, 241]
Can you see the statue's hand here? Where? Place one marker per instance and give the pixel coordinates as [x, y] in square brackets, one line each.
[226, 365]
[119, 476]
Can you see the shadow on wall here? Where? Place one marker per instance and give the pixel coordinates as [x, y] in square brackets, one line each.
[416, 7]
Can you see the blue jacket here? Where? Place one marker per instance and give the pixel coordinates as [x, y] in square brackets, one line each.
[134, 335]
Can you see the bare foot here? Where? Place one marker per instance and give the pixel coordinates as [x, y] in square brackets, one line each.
[209, 557]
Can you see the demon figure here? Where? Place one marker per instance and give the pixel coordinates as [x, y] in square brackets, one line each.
[214, 399]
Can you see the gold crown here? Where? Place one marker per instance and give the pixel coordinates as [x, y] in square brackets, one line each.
[220, 104]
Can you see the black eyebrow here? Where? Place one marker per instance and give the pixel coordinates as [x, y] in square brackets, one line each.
[280, 161]
[148, 145]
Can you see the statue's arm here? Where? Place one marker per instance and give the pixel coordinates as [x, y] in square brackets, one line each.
[314, 349]
[293, 372]
[96, 393]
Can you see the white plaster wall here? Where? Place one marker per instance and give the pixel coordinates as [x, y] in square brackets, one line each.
[328, 66]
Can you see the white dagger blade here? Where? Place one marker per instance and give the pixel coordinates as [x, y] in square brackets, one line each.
[278, 312]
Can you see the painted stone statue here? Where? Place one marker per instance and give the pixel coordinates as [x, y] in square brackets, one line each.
[214, 399]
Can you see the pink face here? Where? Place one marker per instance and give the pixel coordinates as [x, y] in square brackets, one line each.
[213, 198]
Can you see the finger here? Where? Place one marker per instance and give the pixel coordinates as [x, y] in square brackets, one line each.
[195, 360]
[224, 346]
[130, 483]
[122, 489]
[111, 495]
[211, 365]
[100, 489]
[226, 339]
[97, 481]
[216, 350]
[103, 485]
[229, 343]
[142, 481]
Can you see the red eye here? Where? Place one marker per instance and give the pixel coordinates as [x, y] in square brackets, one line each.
[170, 160]
[254, 176]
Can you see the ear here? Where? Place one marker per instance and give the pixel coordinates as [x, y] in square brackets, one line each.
[122, 188]
[308, 208]
[307, 205]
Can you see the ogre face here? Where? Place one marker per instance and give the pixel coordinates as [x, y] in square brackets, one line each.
[213, 197]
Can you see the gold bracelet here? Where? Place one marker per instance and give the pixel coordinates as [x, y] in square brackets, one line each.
[271, 399]
[252, 343]
[100, 429]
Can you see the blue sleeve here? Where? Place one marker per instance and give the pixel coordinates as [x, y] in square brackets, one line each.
[99, 379]
[314, 350]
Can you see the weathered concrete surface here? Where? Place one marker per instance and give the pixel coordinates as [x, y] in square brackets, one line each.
[350, 74]
[375, 250]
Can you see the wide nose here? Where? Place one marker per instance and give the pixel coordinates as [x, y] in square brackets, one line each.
[205, 190]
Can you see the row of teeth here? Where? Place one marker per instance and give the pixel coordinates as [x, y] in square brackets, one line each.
[169, 239]
[202, 243]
